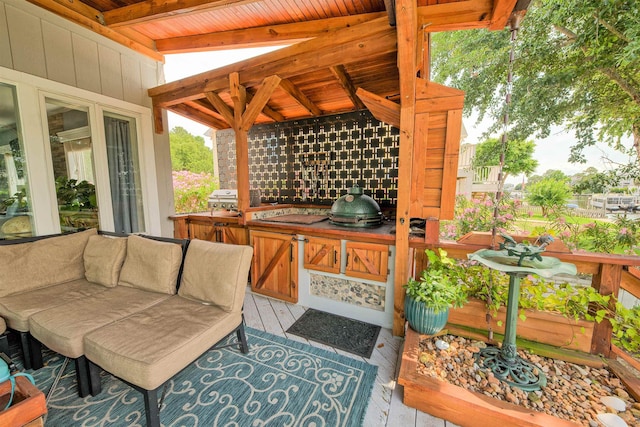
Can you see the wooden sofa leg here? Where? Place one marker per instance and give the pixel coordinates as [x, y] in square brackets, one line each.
[82, 376]
[35, 353]
[151, 407]
[242, 339]
[94, 378]
[26, 353]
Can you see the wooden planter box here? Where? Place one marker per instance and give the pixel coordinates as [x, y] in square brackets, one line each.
[458, 405]
[27, 407]
[539, 326]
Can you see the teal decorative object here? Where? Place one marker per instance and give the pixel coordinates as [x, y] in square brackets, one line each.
[517, 260]
[424, 319]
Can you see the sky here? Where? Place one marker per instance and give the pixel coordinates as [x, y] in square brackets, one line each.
[551, 152]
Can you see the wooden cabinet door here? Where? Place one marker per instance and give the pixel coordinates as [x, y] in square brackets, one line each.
[367, 261]
[274, 269]
[232, 235]
[322, 254]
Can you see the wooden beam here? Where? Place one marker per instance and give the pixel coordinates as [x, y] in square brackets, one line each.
[269, 35]
[259, 101]
[406, 21]
[368, 39]
[302, 99]
[225, 111]
[340, 73]
[199, 116]
[239, 97]
[462, 15]
[158, 120]
[382, 109]
[502, 10]
[155, 10]
[90, 18]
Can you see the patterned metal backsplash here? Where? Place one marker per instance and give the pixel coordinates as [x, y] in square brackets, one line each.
[317, 160]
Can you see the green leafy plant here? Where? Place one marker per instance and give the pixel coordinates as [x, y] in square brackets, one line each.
[570, 300]
[439, 286]
[75, 196]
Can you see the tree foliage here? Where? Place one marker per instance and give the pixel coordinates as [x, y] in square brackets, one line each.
[518, 156]
[548, 194]
[189, 153]
[576, 66]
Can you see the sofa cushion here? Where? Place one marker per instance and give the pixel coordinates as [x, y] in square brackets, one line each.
[62, 328]
[151, 265]
[160, 341]
[216, 273]
[17, 308]
[103, 259]
[42, 263]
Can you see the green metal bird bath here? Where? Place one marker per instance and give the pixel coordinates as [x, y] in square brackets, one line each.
[517, 260]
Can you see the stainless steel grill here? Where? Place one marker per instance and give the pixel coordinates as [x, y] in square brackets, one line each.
[223, 200]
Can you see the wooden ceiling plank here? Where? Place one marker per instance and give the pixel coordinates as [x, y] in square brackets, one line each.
[502, 10]
[300, 97]
[460, 15]
[199, 116]
[91, 22]
[259, 101]
[261, 36]
[155, 10]
[225, 111]
[193, 85]
[382, 109]
[340, 73]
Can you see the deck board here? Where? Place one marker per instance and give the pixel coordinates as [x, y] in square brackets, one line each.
[385, 408]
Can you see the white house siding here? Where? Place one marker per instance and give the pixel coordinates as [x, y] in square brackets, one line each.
[40, 43]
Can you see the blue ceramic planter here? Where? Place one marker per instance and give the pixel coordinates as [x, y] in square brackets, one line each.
[423, 319]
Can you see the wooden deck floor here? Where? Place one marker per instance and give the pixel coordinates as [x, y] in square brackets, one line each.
[386, 407]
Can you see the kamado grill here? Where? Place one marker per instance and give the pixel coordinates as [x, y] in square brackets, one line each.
[355, 209]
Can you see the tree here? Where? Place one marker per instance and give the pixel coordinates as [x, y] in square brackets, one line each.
[548, 194]
[188, 152]
[592, 182]
[576, 66]
[518, 156]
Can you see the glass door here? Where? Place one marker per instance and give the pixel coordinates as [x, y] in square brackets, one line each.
[73, 167]
[124, 173]
[15, 205]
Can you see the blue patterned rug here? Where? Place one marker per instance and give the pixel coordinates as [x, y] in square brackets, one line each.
[279, 383]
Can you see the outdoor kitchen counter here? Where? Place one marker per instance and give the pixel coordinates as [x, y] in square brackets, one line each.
[380, 234]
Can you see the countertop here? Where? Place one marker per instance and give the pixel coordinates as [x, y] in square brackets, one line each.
[379, 234]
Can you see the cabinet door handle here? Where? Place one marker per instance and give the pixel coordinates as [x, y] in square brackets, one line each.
[347, 260]
[290, 252]
[335, 256]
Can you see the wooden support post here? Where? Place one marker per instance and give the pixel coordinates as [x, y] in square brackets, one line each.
[432, 231]
[606, 282]
[406, 20]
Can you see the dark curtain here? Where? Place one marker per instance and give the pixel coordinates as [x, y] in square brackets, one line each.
[121, 175]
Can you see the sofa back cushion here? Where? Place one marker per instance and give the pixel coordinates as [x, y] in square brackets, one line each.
[45, 262]
[216, 273]
[151, 265]
[103, 258]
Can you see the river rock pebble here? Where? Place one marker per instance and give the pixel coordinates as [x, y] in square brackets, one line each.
[573, 392]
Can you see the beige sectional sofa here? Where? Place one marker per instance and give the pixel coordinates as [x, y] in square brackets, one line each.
[139, 308]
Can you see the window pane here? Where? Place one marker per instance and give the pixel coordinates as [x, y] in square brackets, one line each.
[72, 159]
[15, 205]
[124, 173]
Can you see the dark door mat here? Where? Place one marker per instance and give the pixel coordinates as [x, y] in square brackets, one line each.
[340, 332]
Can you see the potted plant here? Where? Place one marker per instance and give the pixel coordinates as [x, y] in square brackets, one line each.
[438, 288]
